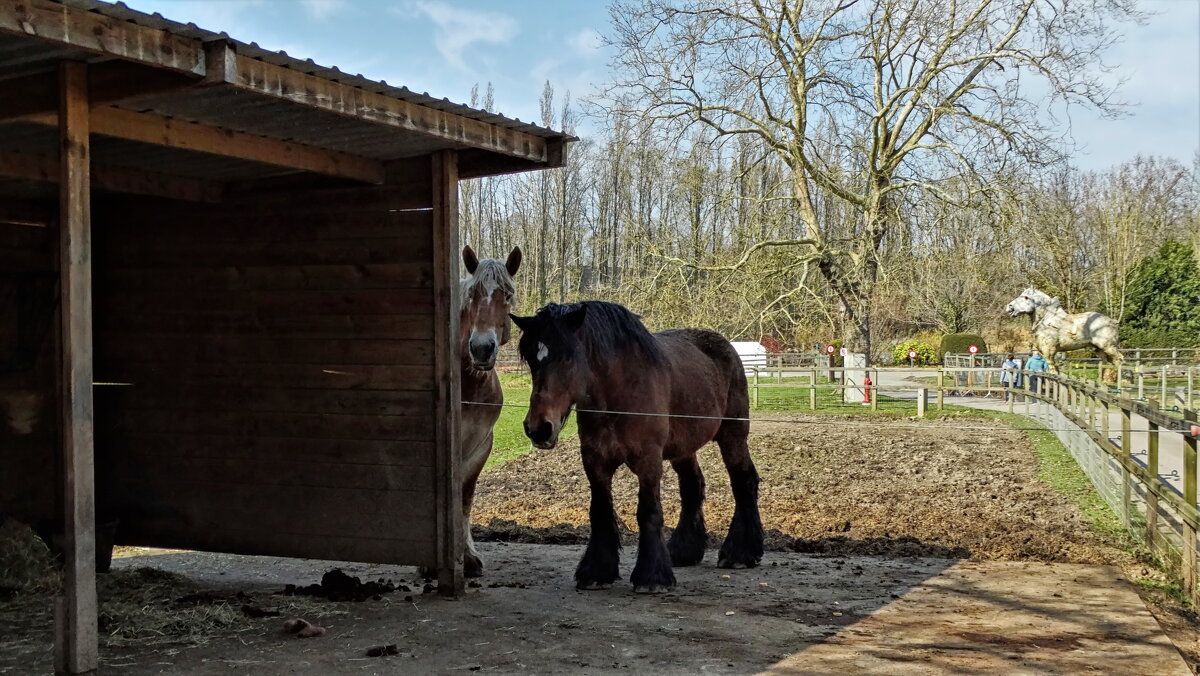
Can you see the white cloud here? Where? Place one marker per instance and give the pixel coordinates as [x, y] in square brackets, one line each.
[586, 41]
[319, 10]
[458, 29]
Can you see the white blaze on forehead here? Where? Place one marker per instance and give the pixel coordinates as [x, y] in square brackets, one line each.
[542, 352]
[489, 287]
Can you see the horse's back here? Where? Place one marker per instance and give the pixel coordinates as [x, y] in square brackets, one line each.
[700, 356]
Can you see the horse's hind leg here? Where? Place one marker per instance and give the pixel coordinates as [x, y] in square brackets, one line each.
[599, 567]
[743, 547]
[652, 573]
[690, 537]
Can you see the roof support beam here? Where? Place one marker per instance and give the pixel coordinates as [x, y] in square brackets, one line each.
[45, 168]
[108, 82]
[172, 133]
[89, 31]
[268, 79]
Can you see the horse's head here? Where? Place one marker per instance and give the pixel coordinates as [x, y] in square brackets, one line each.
[487, 297]
[550, 346]
[1026, 303]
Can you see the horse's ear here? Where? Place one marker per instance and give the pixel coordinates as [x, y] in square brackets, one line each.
[514, 261]
[524, 323]
[574, 319]
[470, 259]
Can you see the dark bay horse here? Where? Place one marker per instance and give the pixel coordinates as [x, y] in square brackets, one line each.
[487, 298]
[599, 357]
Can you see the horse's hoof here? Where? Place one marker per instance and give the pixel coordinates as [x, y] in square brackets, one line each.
[651, 589]
[735, 565]
[593, 586]
[472, 566]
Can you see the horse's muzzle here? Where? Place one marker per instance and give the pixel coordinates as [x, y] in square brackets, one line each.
[543, 436]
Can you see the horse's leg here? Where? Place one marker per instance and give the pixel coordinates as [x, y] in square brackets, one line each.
[690, 537]
[472, 563]
[599, 567]
[652, 573]
[743, 547]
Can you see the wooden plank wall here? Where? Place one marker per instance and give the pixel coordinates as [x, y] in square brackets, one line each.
[278, 355]
[29, 457]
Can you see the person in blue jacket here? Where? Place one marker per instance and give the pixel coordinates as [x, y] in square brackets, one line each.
[1036, 363]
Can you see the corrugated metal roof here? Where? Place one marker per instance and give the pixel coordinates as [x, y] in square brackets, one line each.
[122, 12]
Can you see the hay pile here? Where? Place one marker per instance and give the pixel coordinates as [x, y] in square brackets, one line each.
[26, 564]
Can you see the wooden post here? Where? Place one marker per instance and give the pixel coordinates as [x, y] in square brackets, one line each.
[1141, 384]
[779, 371]
[1126, 452]
[76, 650]
[1162, 397]
[1189, 496]
[447, 379]
[755, 386]
[1104, 422]
[812, 390]
[874, 390]
[1151, 497]
[922, 402]
[941, 396]
[1191, 389]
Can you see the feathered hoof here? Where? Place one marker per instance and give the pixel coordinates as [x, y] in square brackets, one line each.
[651, 589]
[592, 586]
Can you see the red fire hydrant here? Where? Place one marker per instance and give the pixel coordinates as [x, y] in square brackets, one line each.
[867, 391]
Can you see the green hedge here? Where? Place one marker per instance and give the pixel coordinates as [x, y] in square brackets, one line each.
[959, 342]
[925, 353]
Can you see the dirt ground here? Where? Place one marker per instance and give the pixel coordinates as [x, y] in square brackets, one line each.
[849, 485]
[923, 550]
[833, 486]
[797, 614]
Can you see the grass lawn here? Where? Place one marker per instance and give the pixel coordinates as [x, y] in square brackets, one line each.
[509, 434]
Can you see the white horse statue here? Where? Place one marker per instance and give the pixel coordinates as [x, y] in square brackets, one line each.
[1054, 330]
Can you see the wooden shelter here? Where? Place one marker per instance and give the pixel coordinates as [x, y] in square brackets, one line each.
[254, 259]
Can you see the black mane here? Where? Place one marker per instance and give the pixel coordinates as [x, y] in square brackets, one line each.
[609, 331]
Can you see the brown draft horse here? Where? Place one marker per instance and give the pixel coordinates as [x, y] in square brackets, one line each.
[599, 357]
[487, 298]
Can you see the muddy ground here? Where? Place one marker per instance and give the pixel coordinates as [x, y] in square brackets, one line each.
[797, 614]
[850, 485]
[832, 485]
[860, 513]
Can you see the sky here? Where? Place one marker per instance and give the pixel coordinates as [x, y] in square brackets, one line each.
[444, 47]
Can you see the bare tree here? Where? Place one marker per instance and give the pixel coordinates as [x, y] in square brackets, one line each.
[864, 101]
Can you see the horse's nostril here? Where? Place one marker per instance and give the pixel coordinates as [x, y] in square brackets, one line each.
[541, 433]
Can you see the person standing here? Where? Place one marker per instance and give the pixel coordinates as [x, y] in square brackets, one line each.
[1036, 364]
[1008, 375]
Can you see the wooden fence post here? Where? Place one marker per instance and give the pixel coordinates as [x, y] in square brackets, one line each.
[874, 390]
[812, 390]
[1162, 397]
[1151, 497]
[922, 402]
[1126, 456]
[1104, 423]
[941, 388]
[755, 386]
[1189, 495]
[1141, 376]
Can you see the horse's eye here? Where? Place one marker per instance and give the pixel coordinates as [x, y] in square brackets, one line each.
[508, 299]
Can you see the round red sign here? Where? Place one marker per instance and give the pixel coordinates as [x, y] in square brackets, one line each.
[912, 354]
[973, 349]
[829, 349]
